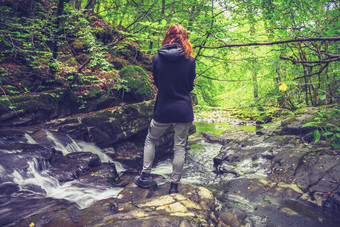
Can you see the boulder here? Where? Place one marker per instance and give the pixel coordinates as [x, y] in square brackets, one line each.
[134, 206]
[137, 82]
[74, 165]
[108, 127]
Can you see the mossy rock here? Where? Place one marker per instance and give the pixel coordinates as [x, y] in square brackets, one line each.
[78, 45]
[137, 82]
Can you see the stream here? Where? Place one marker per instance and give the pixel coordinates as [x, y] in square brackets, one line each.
[34, 183]
[30, 183]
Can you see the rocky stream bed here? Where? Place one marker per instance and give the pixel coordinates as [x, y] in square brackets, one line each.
[78, 171]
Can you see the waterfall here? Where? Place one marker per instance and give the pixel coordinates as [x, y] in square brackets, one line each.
[37, 173]
[80, 146]
[74, 191]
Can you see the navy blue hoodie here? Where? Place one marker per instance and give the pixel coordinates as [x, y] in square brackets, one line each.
[174, 77]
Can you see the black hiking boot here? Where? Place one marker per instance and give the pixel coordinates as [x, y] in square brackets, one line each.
[143, 181]
[173, 188]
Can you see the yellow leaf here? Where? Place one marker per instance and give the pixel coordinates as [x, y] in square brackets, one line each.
[31, 225]
[120, 208]
[283, 86]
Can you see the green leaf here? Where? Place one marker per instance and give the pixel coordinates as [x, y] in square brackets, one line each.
[317, 136]
[163, 22]
[328, 133]
[336, 143]
[336, 127]
[309, 124]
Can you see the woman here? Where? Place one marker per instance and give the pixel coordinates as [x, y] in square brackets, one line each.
[174, 73]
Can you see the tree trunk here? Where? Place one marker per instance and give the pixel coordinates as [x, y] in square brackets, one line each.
[57, 24]
[76, 4]
[90, 5]
[170, 12]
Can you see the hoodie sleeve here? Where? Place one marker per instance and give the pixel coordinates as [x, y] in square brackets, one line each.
[192, 74]
[154, 73]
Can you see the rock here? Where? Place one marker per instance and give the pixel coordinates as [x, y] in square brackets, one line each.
[193, 206]
[109, 127]
[137, 82]
[7, 188]
[33, 108]
[11, 217]
[277, 178]
[74, 165]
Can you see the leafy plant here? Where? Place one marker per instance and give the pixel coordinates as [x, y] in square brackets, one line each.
[323, 128]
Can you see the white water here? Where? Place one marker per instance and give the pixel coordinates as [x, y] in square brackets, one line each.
[74, 191]
[198, 166]
[29, 139]
[80, 146]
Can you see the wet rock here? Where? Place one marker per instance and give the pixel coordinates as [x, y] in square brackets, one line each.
[212, 137]
[11, 217]
[193, 206]
[108, 127]
[195, 138]
[105, 174]
[128, 153]
[274, 165]
[74, 165]
[11, 135]
[293, 125]
[7, 188]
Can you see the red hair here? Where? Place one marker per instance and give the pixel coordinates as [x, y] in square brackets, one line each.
[177, 34]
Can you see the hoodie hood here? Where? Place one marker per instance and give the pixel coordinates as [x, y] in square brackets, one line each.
[172, 51]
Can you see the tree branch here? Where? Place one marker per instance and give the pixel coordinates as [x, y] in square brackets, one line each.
[270, 43]
[310, 62]
[141, 16]
[312, 74]
[223, 80]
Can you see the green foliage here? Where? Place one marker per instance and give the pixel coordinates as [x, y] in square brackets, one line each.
[329, 131]
[242, 77]
[26, 39]
[137, 82]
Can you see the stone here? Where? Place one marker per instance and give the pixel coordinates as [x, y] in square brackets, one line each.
[180, 209]
[137, 82]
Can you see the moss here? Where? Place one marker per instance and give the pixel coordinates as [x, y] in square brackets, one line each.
[137, 82]
[118, 63]
[288, 121]
[78, 45]
[95, 92]
[43, 102]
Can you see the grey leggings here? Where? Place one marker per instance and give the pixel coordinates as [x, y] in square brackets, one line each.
[156, 130]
